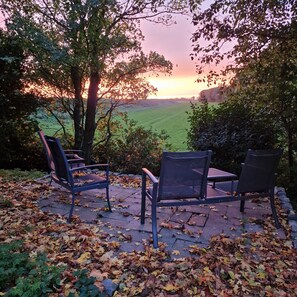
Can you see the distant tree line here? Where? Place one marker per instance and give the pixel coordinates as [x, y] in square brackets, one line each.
[257, 40]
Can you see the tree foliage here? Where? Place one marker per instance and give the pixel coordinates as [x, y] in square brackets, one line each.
[229, 130]
[258, 42]
[133, 148]
[16, 107]
[239, 31]
[88, 53]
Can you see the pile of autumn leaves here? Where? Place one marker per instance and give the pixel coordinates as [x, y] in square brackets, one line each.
[253, 265]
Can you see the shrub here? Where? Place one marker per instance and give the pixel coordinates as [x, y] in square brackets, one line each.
[22, 276]
[229, 130]
[135, 147]
[85, 285]
[13, 264]
[17, 128]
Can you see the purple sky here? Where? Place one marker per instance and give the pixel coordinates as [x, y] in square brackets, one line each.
[175, 44]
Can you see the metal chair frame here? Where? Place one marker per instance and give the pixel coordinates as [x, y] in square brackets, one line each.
[257, 179]
[65, 176]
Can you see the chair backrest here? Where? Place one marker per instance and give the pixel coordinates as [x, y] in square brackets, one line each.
[59, 158]
[259, 171]
[183, 175]
[48, 153]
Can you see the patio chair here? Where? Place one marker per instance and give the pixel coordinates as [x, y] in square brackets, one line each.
[76, 179]
[72, 156]
[183, 180]
[257, 178]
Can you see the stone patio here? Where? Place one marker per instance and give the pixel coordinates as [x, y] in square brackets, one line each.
[179, 228]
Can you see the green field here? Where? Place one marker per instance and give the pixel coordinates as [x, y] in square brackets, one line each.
[168, 115]
[171, 118]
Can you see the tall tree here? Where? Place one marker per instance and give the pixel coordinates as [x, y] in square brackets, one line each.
[17, 128]
[257, 40]
[88, 53]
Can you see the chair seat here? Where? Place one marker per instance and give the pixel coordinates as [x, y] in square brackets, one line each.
[178, 192]
[88, 179]
[226, 186]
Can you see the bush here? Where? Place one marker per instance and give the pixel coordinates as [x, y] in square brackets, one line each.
[134, 148]
[229, 130]
[20, 148]
[17, 128]
[22, 276]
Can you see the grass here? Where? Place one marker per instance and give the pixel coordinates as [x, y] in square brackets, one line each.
[169, 117]
[20, 175]
[172, 119]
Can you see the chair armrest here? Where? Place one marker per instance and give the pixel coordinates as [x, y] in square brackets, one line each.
[72, 151]
[90, 167]
[76, 160]
[147, 173]
[73, 157]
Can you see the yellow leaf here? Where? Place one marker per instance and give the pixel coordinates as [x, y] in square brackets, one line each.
[231, 274]
[170, 288]
[84, 258]
[68, 290]
[175, 252]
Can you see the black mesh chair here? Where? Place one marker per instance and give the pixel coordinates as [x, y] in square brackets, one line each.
[257, 177]
[72, 156]
[88, 177]
[183, 180]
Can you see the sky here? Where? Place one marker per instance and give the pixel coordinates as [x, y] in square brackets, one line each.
[174, 42]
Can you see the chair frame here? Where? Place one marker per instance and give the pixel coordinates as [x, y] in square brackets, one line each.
[64, 175]
[218, 195]
[157, 201]
[268, 186]
[72, 156]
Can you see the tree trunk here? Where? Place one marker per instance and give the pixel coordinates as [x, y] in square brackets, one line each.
[78, 107]
[291, 157]
[90, 125]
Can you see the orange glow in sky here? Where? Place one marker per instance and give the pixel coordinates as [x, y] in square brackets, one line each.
[177, 86]
[174, 43]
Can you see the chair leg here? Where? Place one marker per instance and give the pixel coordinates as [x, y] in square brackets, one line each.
[242, 204]
[274, 213]
[154, 224]
[143, 199]
[71, 209]
[107, 198]
[143, 203]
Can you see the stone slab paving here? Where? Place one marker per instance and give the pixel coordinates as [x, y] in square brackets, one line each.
[180, 228]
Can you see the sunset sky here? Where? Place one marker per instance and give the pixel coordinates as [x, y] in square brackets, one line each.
[175, 44]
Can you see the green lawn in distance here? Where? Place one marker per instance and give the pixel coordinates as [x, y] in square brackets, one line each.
[172, 118]
[169, 115]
